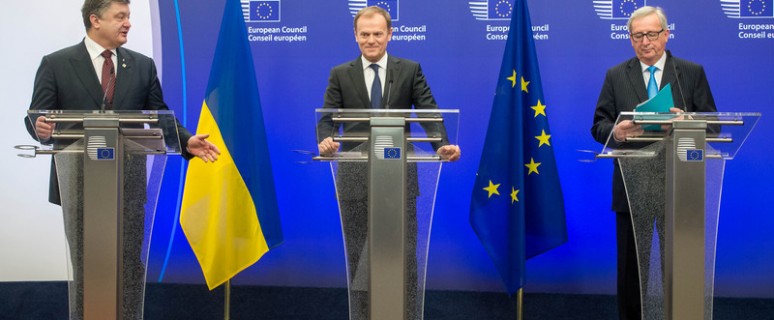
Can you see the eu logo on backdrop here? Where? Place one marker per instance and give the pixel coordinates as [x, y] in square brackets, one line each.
[392, 6]
[748, 8]
[617, 9]
[261, 11]
[492, 9]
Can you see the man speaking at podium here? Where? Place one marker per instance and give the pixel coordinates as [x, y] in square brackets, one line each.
[98, 74]
[375, 80]
[626, 85]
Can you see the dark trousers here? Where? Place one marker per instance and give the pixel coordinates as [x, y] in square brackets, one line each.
[629, 302]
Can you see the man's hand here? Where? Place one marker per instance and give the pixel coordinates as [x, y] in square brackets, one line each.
[666, 127]
[328, 147]
[43, 129]
[200, 147]
[449, 152]
[626, 129]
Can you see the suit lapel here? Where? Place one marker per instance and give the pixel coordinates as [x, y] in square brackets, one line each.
[84, 71]
[124, 77]
[668, 75]
[358, 79]
[393, 73]
[634, 73]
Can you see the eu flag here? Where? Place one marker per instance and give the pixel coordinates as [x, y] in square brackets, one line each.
[268, 10]
[517, 208]
[756, 8]
[500, 9]
[390, 6]
[623, 8]
[229, 212]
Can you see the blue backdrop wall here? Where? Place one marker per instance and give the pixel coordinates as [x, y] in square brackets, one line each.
[297, 42]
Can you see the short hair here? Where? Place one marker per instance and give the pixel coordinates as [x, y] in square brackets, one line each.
[96, 7]
[646, 11]
[373, 10]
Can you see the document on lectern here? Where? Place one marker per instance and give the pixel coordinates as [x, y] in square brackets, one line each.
[661, 103]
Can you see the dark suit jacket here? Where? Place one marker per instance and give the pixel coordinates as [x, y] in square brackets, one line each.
[625, 87]
[405, 86]
[66, 80]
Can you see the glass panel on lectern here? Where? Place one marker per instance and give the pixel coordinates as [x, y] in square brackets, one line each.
[428, 130]
[642, 162]
[152, 131]
[726, 132]
[147, 137]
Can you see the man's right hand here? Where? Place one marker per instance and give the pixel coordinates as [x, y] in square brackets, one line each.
[328, 147]
[626, 129]
[44, 129]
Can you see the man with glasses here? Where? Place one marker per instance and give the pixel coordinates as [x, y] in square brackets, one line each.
[626, 85]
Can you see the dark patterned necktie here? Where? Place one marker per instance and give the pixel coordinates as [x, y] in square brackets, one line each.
[376, 88]
[108, 79]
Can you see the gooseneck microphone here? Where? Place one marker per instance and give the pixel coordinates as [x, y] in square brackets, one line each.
[389, 90]
[677, 76]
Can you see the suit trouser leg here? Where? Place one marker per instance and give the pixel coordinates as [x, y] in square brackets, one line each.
[628, 290]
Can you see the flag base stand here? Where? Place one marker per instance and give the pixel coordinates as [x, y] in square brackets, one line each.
[227, 301]
[520, 304]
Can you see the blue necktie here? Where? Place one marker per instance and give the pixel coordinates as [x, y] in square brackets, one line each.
[376, 88]
[652, 86]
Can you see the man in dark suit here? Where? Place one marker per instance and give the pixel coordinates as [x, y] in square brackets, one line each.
[95, 74]
[368, 82]
[625, 86]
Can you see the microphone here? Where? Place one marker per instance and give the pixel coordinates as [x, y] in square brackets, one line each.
[677, 76]
[389, 90]
[104, 96]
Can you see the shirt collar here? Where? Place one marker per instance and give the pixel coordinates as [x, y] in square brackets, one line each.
[659, 64]
[94, 49]
[382, 62]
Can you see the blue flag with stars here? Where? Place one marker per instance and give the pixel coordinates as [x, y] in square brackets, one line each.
[517, 208]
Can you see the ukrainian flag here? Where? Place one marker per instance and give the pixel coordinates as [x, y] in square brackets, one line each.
[229, 212]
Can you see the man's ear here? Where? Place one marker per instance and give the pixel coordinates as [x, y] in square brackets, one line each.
[94, 21]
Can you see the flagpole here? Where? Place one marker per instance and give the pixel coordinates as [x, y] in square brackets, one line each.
[520, 304]
[227, 297]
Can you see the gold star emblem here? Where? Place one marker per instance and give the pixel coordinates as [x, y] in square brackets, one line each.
[492, 189]
[513, 79]
[543, 138]
[514, 195]
[532, 165]
[524, 85]
[539, 109]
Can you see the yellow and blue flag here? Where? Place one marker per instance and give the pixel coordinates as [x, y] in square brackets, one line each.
[517, 208]
[229, 212]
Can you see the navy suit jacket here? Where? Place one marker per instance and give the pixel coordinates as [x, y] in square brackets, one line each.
[624, 88]
[66, 80]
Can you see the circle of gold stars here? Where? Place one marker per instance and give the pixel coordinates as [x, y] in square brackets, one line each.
[760, 11]
[621, 8]
[503, 4]
[384, 5]
[261, 6]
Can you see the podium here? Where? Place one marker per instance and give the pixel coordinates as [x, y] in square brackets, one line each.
[386, 175]
[673, 175]
[109, 168]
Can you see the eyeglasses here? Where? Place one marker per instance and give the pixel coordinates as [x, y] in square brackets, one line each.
[652, 36]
